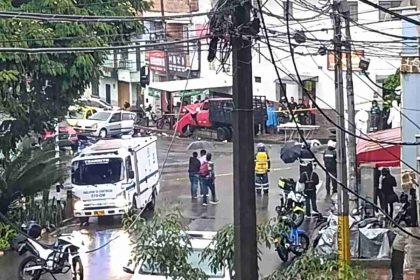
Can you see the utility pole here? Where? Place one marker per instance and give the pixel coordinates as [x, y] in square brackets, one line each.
[351, 140]
[165, 49]
[343, 233]
[243, 153]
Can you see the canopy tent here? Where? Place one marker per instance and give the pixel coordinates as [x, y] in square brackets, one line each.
[189, 87]
[382, 155]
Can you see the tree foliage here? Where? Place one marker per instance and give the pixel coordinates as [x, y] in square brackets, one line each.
[30, 170]
[390, 84]
[36, 89]
[160, 246]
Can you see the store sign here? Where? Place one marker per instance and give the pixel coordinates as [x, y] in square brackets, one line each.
[156, 61]
[355, 59]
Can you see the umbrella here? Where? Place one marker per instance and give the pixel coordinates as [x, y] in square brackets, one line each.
[200, 145]
[290, 152]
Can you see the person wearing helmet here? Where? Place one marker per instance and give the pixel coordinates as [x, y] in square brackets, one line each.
[330, 162]
[262, 167]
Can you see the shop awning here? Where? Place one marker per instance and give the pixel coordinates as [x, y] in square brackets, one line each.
[381, 155]
[191, 84]
[292, 78]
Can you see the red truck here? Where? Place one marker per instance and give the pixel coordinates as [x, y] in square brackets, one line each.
[216, 114]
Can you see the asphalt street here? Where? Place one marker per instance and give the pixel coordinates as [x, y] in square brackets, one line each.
[108, 262]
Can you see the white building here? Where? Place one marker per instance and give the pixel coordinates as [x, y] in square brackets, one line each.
[317, 70]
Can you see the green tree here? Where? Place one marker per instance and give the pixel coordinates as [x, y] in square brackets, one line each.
[30, 170]
[390, 84]
[37, 89]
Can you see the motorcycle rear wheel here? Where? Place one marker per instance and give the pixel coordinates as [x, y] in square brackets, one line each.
[77, 268]
[303, 243]
[28, 262]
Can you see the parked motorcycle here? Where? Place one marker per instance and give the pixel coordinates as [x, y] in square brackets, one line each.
[291, 201]
[58, 258]
[294, 240]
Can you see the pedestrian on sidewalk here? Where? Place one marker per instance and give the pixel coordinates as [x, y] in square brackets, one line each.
[330, 162]
[311, 180]
[193, 169]
[202, 159]
[210, 180]
[389, 196]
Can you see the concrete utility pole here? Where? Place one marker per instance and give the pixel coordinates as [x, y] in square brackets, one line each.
[351, 140]
[342, 196]
[165, 50]
[243, 154]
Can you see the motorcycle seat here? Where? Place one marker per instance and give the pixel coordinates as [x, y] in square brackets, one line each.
[47, 246]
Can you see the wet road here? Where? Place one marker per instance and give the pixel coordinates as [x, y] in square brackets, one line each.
[107, 263]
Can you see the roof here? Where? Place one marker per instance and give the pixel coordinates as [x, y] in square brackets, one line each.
[382, 155]
[292, 78]
[192, 84]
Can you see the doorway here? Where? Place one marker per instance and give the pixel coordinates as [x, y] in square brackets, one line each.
[108, 93]
[123, 93]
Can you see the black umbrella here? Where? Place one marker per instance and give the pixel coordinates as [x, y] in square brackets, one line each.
[290, 152]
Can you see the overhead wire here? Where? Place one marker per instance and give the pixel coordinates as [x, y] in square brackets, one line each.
[307, 144]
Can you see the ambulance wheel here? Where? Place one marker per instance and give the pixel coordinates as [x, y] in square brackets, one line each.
[221, 134]
[228, 133]
[152, 204]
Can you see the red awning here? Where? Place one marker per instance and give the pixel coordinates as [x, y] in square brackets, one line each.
[382, 155]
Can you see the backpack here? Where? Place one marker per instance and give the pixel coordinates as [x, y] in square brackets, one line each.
[204, 169]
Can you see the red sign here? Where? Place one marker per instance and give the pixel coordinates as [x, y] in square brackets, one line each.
[156, 60]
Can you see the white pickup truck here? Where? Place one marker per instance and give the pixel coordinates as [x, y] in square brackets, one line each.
[114, 176]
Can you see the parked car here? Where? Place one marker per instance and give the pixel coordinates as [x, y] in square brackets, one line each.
[107, 123]
[97, 103]
[67, 136]
[76, 114]
[199, 241]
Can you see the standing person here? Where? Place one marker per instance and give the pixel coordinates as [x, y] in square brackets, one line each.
[375, 116]
[202, 176]
[311, 180]
[388, 194]
[193, 169]
[301, 113]
[210, 180]
[330, 162]
[306, 158]
[262, 167]
[293, 104]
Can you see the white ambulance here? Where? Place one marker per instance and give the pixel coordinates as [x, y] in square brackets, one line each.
[114, 176]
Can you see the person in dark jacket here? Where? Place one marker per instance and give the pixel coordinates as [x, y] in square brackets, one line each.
[193, 169]
[375, 116]
[306, 159]
[389, 197]
[311, 180]
[330, 162]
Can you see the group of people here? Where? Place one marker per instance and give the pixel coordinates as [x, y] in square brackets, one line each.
[202, 177]
[304, 112]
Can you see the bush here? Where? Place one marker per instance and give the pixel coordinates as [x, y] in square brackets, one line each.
[6, 235]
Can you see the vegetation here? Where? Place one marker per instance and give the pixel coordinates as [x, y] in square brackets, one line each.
[6, 235]
[37, 89]
[30, 170]
[159, 244]
[391, 83]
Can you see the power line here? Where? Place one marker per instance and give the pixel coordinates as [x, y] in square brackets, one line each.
[94, 49]
[392, 13]
[93, 19]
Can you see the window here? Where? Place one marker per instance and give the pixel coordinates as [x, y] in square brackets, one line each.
[387, 5]
[279, 91]
[127, 117]
[128, 166]
[353, 11]
[116, 117]
[257, 79]
[290, 9]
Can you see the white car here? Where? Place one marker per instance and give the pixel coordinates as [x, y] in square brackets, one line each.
[98, 103]
[199, 241]
[107, 123]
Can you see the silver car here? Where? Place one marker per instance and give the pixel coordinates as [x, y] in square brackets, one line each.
[107, 123]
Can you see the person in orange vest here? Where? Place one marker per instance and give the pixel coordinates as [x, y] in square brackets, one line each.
[262, 167]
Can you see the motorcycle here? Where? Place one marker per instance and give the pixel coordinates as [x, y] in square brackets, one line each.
[291, 201]
[294, 240]
[58, 258]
